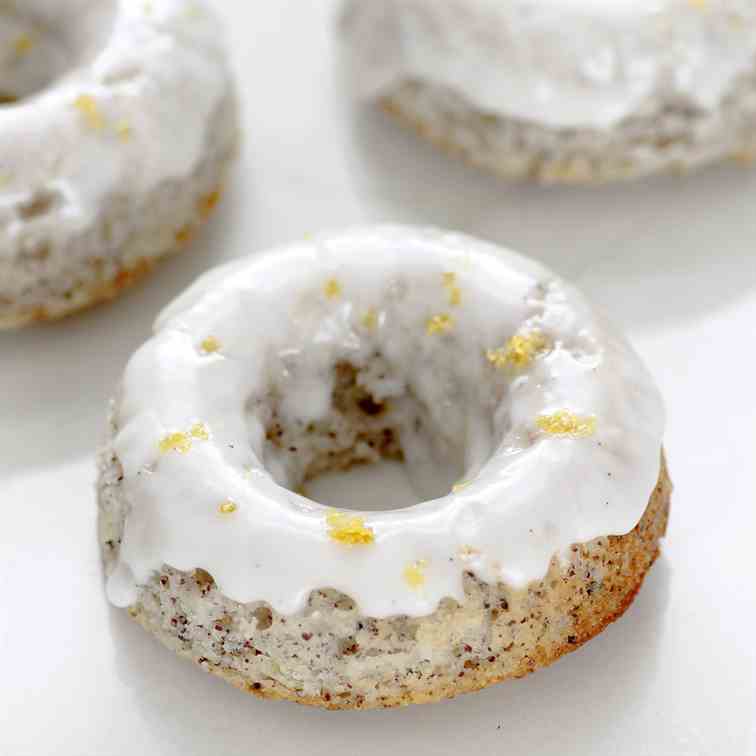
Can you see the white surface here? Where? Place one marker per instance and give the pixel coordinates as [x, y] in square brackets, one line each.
[674, 261]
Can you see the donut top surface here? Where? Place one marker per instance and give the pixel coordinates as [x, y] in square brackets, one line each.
[105, 100]
[554, 422]
[558, 63]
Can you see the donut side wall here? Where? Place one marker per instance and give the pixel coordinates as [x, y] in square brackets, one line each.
[677, 140]
[329, 655]
[62, 276]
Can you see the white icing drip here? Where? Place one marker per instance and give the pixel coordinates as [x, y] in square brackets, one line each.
[156, 73]
[560, 63]
[120, 587]
[531, 495]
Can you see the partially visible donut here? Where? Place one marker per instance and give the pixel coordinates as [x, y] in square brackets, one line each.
[470, 363]
[117, 122]
[569, 91]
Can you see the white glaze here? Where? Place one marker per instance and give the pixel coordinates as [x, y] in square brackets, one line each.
[558, 63]
[154, 67]
[533, 495]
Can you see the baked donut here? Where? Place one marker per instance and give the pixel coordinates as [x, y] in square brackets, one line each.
[389, 342]
[117, 121]
[565, 90]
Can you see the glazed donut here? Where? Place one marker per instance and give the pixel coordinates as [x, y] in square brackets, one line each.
[117, 120]
[565, 90]
[390, 342]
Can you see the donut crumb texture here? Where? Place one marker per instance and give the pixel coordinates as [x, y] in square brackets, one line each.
[666, 141]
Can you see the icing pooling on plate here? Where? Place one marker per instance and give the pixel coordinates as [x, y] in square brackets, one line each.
[114, 101]
[561, 444]
[560, 63]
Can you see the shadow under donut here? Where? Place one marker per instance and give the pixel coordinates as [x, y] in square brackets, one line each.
[591, 694]
[689, 238]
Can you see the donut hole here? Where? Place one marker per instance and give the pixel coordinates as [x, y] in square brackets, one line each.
[38, 47]
[368, 451]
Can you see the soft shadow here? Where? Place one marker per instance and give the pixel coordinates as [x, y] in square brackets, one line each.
[666, 234]
[56, 379]
[592, 695]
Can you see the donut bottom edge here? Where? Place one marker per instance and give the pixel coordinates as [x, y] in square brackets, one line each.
[123, 275]
[518, 151]
[495, 635]
[83, 298]
[93, 270]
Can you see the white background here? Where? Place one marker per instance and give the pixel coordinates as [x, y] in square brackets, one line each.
[673, 260]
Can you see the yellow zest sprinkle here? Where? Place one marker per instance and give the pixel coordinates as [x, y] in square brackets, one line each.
[184, 235]
[744, 157]
[413, 574]
[332, 289]
[4, 180]
[698, 4]
[455, 293]
[182, 442]
[178, 442]
[565, 423]
[351, 531]
[209, 202]
[87, 106]
[439, 324]
[519, 351]
[23, 45]
[467, 552]
[210, 345]
[200, 431]
[227, 507]
[460, 486]
[123, 129]
[370, 319]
